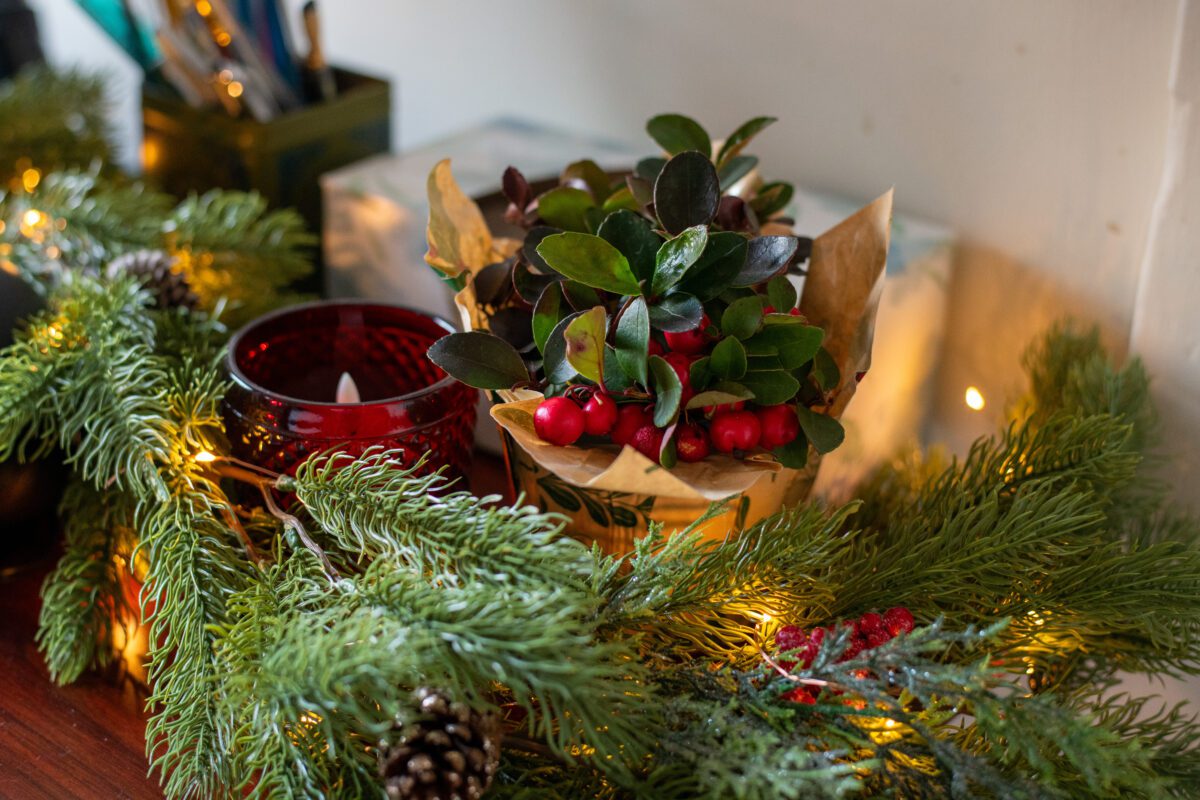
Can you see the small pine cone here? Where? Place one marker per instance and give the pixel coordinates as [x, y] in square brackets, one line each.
[158, 272]
[451, 754]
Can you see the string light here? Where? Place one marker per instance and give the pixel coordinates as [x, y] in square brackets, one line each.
[974, 399]
[30, 179]
[204, 457]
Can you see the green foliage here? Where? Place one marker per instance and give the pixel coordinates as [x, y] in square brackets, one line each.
[52, 121]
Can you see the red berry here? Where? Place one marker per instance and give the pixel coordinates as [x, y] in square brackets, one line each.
[875, 638]
[648, 440]
[599, 414]
[691, 443]
[795, 312]
[898, 620]
[558, 421]
[869, 622]
[735, 430]
[801, 694]
[853, 649]
[682, 365]
[789, 638]
[654, 348]
[689, 342]
[630, 417]
[780, 426]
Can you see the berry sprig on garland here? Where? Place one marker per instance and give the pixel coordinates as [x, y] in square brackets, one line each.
[664, 292]
[293, 655]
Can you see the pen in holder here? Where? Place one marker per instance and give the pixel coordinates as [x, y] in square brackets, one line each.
[187, 149]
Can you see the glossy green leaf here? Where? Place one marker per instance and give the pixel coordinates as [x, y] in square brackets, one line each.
[771, 388]
[687, 192]
[591, 177]
[720, 262]
[742, 317]
[789, 337]
[675, 257]
[668, 456]
[632, 339]
[727, 394]
[530, 284]
[548, 310]
[700, 373]
[675, 133]
[667, 390]
[622, 198]
[532, 239]
[565, 207]
[676, 313]
[632, 234]
[734, 170]
[772, 198]
[585, 343]
[579, 296]
[616, 379]
[794, 454]
[641, 188]
[825, 433]
[766, 256]
[649, 168]
[554, 357]
[781, 294]
[479, 359]
[590, 260]
[741, 137]
[825, 370]
[729, 359]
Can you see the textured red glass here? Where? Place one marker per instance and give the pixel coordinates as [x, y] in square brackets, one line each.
[285, 369]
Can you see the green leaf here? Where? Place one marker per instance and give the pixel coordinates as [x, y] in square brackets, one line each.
[641, 188]
[729, 359]
[632, 339]
[676, 256]
[789, 337]
[479, 359]
[687, 192]
[546, 314]
[825, 433]
[590, 174]
[825, 370]
[554, 357]
[616, 378]
[743, 317]
[649, 168]
[720, 397]
[532, 239]
[699, 373]
[676, 313]
[632, 234]
[721, 261]
[771, 388]
[590, 260]
[771, 198]
[781, 294]
[565, 207]
[579, 296]
[734, 170]
[766, 257]
[741, 137]
[794, 454]
[667, 455]
[667, 389]
[622, 198]
[585, 343]
[676, 133]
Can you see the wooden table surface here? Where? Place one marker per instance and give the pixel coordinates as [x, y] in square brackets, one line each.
[84, 740]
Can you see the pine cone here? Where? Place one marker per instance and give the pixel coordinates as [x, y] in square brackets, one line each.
[158, 272]
[451, 754]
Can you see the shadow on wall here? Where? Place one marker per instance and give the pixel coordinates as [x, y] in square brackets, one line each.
[997, 307]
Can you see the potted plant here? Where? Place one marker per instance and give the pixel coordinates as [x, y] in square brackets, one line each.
[647, 338]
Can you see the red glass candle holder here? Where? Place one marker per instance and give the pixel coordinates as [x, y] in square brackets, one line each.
[285, 369]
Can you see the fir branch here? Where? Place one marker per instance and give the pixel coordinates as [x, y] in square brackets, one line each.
[84, 598]
[52, 121]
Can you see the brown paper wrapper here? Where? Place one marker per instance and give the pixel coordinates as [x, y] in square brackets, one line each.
[612, 496]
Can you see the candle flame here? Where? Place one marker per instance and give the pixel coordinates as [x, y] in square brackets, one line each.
[347, 390]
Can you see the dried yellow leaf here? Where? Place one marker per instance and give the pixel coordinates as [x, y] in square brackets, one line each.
[458, 235]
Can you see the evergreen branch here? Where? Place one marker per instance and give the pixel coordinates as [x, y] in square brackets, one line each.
[52, 121]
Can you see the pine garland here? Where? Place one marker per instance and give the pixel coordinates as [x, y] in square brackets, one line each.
[285, 646]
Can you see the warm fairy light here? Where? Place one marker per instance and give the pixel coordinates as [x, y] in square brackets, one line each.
[891, 723]
[974, 399]
[30, 179]
[225, 75]
[235, 89]
[205, 457]
[32, 217]
[204, 8]
[223, 39]
[151, 152]
[1035, 618]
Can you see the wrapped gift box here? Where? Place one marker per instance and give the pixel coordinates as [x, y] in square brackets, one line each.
[374, 239]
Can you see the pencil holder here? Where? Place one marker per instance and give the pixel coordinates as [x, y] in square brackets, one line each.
[188, 149]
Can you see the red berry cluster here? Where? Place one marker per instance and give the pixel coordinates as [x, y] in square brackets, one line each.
[869, 631]
[733, 428]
